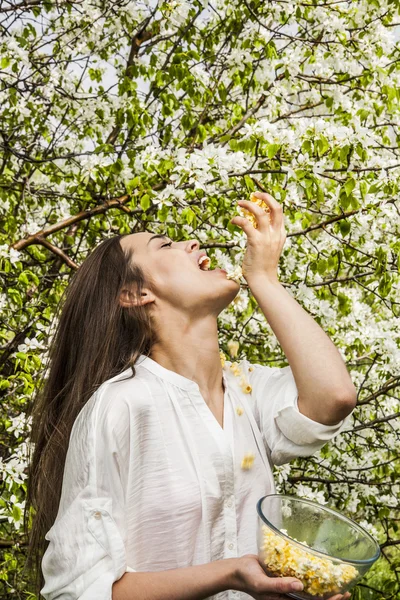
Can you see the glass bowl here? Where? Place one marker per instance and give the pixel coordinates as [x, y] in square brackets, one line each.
[327, 551]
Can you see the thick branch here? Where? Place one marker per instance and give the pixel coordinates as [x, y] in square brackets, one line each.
[141, 37]
[37, 238]
[57, 251]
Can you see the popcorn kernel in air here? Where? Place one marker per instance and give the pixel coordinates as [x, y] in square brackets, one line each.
[233, 348]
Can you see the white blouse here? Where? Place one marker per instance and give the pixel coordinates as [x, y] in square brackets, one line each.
[153, 482]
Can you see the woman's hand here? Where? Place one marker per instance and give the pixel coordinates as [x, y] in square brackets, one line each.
[264, 244]
[251, 579]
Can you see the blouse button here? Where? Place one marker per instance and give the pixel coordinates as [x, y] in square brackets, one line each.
[97, 515]
[231, 546]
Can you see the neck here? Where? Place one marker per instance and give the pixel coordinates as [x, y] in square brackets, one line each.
[190, 348]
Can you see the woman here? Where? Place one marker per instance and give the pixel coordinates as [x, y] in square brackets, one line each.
[153, 454]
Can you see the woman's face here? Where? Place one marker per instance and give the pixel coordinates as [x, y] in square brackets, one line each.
[172, 269]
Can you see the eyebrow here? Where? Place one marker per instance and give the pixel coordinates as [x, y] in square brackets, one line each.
[156, 236]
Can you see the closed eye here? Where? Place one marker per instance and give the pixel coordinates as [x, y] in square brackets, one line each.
[170, 243]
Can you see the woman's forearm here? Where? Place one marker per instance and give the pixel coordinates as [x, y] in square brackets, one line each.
[326, 391]
[186, 583]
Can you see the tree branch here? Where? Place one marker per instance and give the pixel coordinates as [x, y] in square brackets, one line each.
[141, 37]
[37, 238]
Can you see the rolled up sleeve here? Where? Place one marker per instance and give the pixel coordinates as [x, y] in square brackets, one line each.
[287, 433]
[86, 552]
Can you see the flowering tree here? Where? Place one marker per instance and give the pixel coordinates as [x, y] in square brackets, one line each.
[125, 116]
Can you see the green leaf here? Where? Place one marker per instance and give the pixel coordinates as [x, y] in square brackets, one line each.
[363, 189]
[16, 513]
[344, 200]
[4, 384]
[384, 287]
[188, 215]
[222, 93]
[162, 213]
[249, 183]
[145, 201]
[272, 149]
[349, 186]
[323, 145]
[171, 232]
[306, 147]
[344, 227]
[322, 266]
[344, 153]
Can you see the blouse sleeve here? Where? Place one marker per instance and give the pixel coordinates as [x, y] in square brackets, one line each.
[86, 553]
[287, 433]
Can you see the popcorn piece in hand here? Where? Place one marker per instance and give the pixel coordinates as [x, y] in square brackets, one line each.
[248, 215]
[247, 461]
[236, 274]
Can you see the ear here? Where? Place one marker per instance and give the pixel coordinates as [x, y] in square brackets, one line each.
[129, 298]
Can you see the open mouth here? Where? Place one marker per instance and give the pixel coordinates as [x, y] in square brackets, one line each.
[204, 265]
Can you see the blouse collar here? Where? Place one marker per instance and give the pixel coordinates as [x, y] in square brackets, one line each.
[171, 376]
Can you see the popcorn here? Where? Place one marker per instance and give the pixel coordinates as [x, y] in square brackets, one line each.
[233, 348]
[244, 384]
[234, 367]
[236, 274]
[248, 461]
[248, 215]
[246, 387]
[319, 575]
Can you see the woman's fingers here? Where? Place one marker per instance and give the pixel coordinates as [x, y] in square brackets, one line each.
[263, 218]
[275, 208]
[244, 224]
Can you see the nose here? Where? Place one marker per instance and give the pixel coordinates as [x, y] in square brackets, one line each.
[193, 245]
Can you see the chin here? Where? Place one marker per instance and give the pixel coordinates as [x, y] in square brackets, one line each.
[228, 298]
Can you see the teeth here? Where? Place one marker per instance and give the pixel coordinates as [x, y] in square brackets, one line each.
[204, 263]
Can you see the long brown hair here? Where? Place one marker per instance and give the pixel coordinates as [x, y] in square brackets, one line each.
[95, 339]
